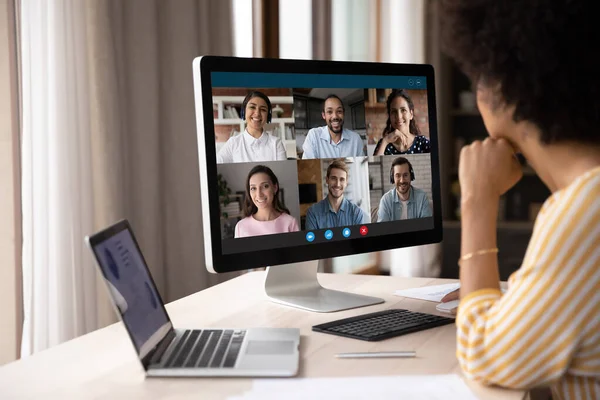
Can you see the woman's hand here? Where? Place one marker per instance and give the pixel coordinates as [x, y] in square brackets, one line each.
[397, 135]
[487, 169]
[392, 136]
[451, 296]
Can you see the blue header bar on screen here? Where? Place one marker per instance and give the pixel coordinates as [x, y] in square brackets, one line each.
[289, 80]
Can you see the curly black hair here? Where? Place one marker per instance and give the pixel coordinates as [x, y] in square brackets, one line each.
[539, 54]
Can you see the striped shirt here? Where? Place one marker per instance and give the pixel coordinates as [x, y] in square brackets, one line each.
[545, 330]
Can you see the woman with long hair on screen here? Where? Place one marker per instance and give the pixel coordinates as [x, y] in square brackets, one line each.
[401, 134]
[255, 143]
[264, 214]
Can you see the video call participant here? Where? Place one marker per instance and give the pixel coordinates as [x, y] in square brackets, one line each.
[254, 144]
[332, 140]
[335, 210]
[404, 201]
[264, 214]
[401, 134]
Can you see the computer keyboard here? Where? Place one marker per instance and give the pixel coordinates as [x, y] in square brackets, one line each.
[210, 348]
[382, 324]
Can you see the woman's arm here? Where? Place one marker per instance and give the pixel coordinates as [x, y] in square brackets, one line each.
[486, 171]
[380, 148]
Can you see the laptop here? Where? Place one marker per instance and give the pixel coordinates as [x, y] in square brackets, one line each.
[166, 351]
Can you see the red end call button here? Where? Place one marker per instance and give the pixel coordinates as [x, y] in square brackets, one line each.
[364, 230]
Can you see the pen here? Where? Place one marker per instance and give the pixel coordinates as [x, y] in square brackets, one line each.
[381, 354]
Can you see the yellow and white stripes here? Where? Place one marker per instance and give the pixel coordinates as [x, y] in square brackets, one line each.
[545, 330]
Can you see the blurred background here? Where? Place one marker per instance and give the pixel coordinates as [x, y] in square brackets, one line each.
[97, 123]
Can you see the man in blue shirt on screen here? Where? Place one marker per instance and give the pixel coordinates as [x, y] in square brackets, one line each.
[335, 210]
[403, 201]
[332, 140]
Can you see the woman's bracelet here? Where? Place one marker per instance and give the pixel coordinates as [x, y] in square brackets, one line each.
[468, 256]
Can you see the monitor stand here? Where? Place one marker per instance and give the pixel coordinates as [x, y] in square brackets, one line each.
[296, 285]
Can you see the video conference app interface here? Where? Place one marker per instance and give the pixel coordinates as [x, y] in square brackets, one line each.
[310, 158]
[131, 287]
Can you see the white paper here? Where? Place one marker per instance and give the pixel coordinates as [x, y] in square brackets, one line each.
[448, 307]
[429, 293]
[406, 387]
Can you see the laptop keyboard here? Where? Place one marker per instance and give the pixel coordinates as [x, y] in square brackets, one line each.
[209, 348]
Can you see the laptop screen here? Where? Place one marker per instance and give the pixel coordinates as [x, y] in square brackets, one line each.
[132, 289]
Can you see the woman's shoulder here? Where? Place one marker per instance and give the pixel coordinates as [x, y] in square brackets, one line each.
[420, 145]
[586, 186]
[246, 221]
[576, 202]
[285, 217]
[289, 223]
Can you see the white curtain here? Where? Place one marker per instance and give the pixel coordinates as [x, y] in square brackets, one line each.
[403, 41]
[401, 30]
[59, 280]
[108, 133]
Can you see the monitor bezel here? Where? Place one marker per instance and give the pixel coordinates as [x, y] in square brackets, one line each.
[218, 262]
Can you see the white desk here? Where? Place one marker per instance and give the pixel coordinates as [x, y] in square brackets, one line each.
[103, 364]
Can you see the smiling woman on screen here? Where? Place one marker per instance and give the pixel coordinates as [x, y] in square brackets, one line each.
[264, 213]
[401, 134]
[254, 144]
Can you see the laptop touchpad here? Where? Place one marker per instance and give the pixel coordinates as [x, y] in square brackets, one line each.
[269, 347]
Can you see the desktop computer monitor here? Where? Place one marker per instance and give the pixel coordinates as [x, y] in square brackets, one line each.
[303, 160]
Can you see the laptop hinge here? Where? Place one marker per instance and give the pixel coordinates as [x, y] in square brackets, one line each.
[155, 355]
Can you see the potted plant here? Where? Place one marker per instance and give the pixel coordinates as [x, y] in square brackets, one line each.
[224, 192]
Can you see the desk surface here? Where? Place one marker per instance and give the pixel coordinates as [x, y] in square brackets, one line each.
[103, 364]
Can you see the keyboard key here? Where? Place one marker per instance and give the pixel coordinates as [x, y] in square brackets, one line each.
[177, 349]
[234, 350]
[210, 349]
[197, 351]
[220, 353]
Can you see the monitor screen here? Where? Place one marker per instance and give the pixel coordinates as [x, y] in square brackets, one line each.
[313, 159]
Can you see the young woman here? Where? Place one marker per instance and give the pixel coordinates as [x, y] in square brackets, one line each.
[539, 95]
[401, 134]
[254, 144]
[264, 214]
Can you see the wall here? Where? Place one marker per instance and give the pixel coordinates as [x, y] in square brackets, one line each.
[10, 238]
[309, 171]
[286, 172]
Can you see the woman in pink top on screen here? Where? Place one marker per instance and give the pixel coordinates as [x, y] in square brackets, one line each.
[264, 214]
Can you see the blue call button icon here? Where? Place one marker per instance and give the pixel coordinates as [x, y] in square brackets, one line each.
[310, 236]
[346, 232]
